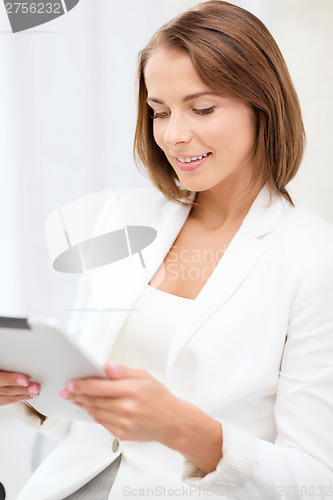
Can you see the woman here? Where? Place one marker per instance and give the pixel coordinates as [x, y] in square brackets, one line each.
[220, 377]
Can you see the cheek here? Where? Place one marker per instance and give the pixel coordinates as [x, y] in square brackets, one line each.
[246, 138]
[216, 136]
[158, 133]
[237, 137]
[248, 131]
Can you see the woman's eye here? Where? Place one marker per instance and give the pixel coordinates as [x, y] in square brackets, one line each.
[164, 114]
[205, 111]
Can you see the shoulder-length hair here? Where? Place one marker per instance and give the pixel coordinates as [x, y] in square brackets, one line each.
[235, 55]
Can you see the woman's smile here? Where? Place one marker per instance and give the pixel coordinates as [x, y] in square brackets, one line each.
[190, 163]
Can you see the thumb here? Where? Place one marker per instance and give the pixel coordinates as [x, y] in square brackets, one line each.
[117, 372]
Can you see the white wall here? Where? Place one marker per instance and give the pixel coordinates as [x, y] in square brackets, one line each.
[305, 34]
[66, 127]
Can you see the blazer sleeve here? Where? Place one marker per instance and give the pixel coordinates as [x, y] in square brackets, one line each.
[299, 464]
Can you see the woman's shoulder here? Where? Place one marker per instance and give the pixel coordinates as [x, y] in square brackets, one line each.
[305, 229]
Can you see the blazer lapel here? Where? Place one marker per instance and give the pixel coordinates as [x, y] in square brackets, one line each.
[113, 304]
[250, 243]
[174, 217]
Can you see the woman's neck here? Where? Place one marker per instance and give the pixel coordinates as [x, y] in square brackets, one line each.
[222, 206]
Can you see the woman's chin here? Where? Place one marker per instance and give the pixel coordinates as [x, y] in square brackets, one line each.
[195, 185]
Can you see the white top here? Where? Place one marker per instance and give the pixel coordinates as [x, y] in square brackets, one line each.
[146, 336]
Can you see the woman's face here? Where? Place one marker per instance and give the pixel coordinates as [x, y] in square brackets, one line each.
[208, 139]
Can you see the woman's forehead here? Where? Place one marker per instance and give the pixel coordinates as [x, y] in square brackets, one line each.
[169, 70]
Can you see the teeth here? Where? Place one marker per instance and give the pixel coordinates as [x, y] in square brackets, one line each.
[188, 159]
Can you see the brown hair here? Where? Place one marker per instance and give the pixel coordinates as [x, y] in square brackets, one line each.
[234, 54]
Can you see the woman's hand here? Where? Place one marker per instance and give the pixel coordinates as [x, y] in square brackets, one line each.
[16, 387]
[135, 406]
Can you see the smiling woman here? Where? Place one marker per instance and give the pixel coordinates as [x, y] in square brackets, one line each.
[237, 58]
[219, 357]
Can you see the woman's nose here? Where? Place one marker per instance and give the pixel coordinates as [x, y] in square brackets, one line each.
[177, 132]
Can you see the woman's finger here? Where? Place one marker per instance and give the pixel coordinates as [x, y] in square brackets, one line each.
[109, 404]
[13, 390]
[116, 371]
[99, 387]
[12, 379]
[7, 400]
[32, 390]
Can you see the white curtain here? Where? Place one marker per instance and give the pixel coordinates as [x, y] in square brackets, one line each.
[67, 114]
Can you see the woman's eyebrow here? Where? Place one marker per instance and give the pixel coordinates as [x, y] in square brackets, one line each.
[186, 98]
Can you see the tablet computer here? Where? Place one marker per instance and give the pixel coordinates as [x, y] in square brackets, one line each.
[40, 349]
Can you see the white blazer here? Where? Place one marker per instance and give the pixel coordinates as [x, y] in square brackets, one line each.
[255, 351]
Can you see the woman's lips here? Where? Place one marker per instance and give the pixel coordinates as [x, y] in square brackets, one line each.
[193, 165]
